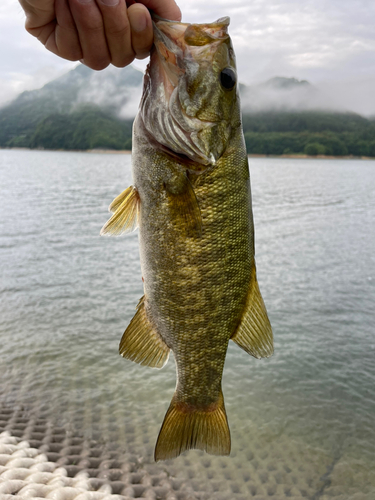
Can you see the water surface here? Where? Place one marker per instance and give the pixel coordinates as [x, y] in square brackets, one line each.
[302, 422]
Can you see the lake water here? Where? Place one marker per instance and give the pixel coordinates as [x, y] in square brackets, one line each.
[302, 422]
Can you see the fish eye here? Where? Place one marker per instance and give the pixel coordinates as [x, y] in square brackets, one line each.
[228, 78]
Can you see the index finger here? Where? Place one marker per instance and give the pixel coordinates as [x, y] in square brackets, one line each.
[163, 8]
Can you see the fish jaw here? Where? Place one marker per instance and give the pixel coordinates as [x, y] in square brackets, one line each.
[184, 108]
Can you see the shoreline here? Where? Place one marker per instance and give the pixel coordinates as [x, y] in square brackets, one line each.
[296, 156]
[303, 156]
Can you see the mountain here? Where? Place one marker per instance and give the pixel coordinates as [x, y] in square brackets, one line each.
[112, 89]
[290, 116]
[85, 109]
[114, 93]
[282, 83]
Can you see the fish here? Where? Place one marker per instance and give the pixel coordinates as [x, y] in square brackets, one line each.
[191, 200]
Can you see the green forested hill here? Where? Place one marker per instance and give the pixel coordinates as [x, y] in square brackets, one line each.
[312, 121]
[310, 132]
[87, 128]
[91, 127]
[76, 111]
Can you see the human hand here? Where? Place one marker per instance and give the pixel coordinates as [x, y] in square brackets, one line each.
[96, 32]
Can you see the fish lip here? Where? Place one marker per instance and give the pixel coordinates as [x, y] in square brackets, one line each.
[174, 33]
[216, 27]
[155, 17]
[168, 54]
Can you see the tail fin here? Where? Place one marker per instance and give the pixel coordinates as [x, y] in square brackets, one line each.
[186, 427]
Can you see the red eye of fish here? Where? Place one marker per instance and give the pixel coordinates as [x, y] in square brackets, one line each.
[228, 78]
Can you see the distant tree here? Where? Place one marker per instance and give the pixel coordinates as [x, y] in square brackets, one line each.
[86, 128]
[334, 145]
[314, 148]
[357, 146]
[371, 148]
[128, 144]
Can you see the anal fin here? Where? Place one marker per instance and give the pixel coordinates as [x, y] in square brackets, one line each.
[254, 333]
[141, 343]
[125, 217]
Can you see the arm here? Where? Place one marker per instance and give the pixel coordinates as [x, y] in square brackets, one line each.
[96, 32]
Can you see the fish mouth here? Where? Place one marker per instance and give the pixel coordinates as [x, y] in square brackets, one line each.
[172, 40]
[179, 48]
[183, 34]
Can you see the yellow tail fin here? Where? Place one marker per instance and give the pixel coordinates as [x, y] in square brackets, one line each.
[186, 427]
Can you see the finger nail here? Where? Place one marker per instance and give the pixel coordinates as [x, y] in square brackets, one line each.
[111, 3]
[139, 23]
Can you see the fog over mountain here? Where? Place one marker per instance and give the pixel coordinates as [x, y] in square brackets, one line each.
[115, 90]
[290, 94]
[283, 94]
[84, 110]
[119, 91]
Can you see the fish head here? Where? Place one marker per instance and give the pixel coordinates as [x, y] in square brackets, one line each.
[190, 103]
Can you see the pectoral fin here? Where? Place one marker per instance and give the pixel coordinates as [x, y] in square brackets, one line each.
[186, 207]
[141, 343]
[125, 217]
[254, 333]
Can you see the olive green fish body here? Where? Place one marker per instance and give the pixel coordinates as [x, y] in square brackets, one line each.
[196, 286]
[191, 200]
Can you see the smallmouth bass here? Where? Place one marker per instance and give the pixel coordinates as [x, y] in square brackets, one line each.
[192, 202]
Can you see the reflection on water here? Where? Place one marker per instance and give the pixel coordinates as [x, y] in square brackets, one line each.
[302, 422]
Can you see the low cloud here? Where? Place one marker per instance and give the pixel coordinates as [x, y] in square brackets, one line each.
[130, 109]
[331, 44]
[356, 96]
[313, 39]
[108, 89]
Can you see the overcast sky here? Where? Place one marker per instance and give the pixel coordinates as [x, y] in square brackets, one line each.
[331, 43]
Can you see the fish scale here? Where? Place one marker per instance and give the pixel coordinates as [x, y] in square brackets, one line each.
[191, 200]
